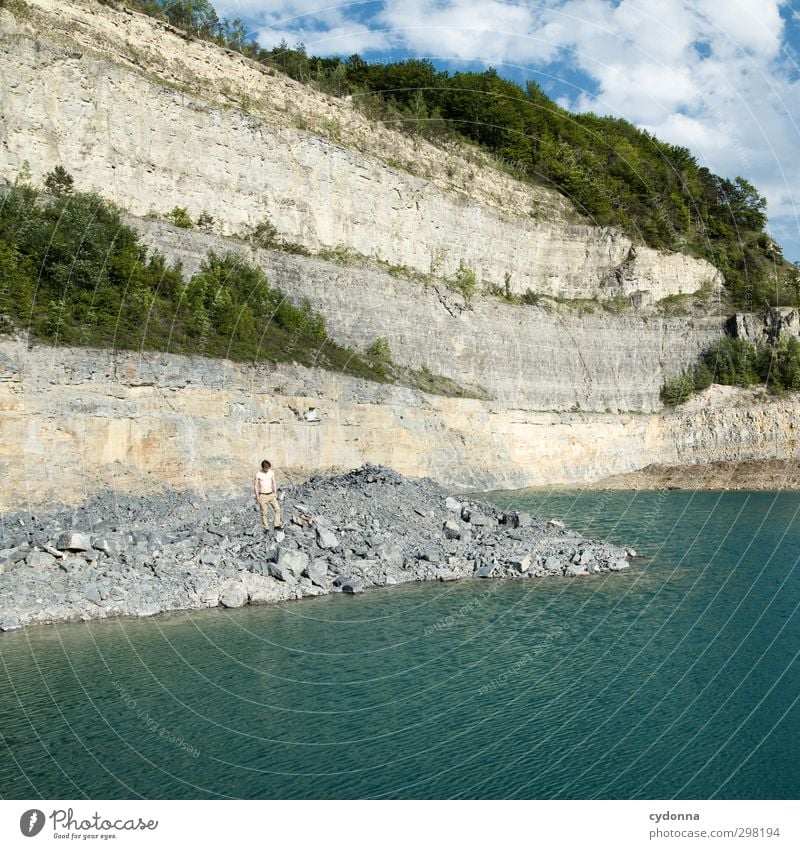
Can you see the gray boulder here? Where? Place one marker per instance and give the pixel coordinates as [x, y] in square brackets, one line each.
[113, 546]
[317, 572]
[9, 624]
[280, 572]
[40, 560]
[452, 530]
[348, 584]
[73, 541]
[480, 520]
[101, 544]
[14, 555]
[486, 571]
[211, 558]
[553, 565]
[618, 566]
[233, 596]
[452, 505]
[326, 538]
[72, 563]
[293, 561]
[390, 554]
[521, 564]
[92, 593]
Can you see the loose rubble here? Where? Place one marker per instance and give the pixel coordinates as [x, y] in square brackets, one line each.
[120, 555]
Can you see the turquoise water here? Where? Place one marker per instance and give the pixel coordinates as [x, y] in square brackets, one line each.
[677, 679]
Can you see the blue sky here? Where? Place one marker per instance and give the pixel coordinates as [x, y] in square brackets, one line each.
[721, 77]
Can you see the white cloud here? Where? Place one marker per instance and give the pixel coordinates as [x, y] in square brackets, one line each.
[753, 26]
[488, 30]
[342, 39]
[735, 109]
[324, 27]
[713, 75]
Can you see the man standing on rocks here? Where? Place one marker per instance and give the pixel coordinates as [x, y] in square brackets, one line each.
[267, 494]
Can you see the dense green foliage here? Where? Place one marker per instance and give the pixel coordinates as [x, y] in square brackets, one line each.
[615, 173]
[72, 273]
[737, 362]
[678, 389]
[380, 350]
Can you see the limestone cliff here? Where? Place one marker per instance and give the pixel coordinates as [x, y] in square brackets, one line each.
[522, 356]
[74, 420]
[152, 120]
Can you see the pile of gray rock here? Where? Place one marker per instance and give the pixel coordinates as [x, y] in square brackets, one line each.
[136, 556]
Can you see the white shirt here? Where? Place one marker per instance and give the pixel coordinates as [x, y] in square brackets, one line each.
[265, 482]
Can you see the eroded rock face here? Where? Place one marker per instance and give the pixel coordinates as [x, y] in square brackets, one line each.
[117, 131]
[139, 422]
[181, 551]
[767, 326]
[560, 386]
[520, 356]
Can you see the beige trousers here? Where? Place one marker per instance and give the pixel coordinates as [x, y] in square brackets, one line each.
[265, 501]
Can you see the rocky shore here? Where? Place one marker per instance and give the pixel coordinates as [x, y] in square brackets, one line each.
[120, 555]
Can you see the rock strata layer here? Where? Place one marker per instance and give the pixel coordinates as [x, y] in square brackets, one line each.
[522, 356]
[127, 556]
[154, 121]
[136, 422]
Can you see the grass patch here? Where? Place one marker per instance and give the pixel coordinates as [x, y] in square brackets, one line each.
[343, 255]
[684, 304]
[616, 306]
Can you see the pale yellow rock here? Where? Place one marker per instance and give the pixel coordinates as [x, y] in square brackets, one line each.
[185, 436]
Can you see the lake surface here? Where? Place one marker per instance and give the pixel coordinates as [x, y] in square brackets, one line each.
[678, 679]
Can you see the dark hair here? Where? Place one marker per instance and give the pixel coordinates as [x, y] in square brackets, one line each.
[265, 464]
